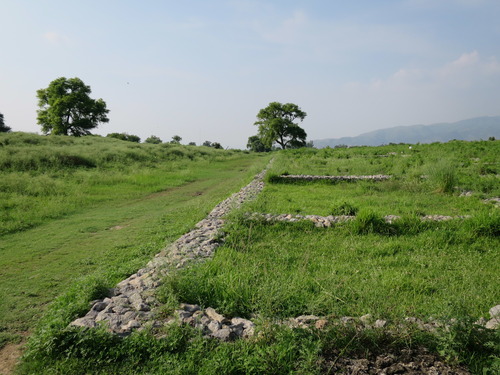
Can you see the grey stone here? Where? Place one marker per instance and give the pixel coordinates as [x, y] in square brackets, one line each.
[84, 322]
[224, 334]
[182, 314]
[495, 311]
[306, 319]
[379, 323]
[493, 323]
[190, 308]
[240, 321]
[99, 306]
[347, 319]
[132, 324]
[214, 315]
[129, 315]
[120, 309]
[214, 326]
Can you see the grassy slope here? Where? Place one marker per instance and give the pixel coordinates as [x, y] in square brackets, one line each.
[113, 235]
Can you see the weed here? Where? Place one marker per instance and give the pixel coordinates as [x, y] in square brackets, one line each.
[344, 208]
[367, 222]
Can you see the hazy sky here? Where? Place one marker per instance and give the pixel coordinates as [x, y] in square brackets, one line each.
[203, 69]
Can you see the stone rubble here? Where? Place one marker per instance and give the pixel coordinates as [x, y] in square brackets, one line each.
[328, 221]
[494, 322]
[304, 177]
[495, 201]
[215, 325]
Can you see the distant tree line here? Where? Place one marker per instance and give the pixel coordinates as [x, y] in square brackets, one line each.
[124, 137]
[66, 108]
[212, 144]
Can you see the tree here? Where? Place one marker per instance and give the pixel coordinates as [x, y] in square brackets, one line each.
[67, 109]
[255, 144]
[192, 144]
[153, 139]
[176, 140]
[3, 128]
[276, 124]
[212, 144]
[125, 137]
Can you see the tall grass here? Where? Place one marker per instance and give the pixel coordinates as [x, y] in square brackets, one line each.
[443, 175]
[46, 177]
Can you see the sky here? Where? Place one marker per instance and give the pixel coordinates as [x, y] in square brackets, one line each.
[203, 69]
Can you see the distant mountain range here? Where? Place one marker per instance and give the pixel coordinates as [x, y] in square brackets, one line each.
[469, 130]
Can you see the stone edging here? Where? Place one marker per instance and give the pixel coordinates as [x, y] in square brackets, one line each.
[327, 221]
[213, 324]
[305, 177]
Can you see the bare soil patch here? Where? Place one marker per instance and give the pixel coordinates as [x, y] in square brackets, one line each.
[9, 356]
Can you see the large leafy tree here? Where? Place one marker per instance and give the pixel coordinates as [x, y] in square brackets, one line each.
[276, 124]
[67, 109]
[3, 128]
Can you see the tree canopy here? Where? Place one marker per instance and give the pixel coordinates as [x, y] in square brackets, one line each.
[67, 109]
[125, 137]
[176, 140]
[255, 144]
[3, 128]
[276, 124]
[212, 144]
[153, 139]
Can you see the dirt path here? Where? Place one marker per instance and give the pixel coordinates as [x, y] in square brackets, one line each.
[9, 356]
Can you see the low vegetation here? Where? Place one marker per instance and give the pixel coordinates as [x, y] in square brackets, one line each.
[94, 208]
[444, 271]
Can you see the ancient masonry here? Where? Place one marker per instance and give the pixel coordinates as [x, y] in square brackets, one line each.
[132, 303]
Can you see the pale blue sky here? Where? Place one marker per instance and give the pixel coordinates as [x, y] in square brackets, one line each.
[203, 69]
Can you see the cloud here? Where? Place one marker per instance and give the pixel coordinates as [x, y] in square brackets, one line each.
[288, 30]
[430, 4]
[468, 70]
[56, 38]
[464, 87]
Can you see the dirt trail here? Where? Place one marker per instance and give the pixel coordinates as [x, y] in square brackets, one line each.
[9, 356]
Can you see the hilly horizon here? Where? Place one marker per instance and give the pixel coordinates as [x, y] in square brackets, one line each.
[468, 130]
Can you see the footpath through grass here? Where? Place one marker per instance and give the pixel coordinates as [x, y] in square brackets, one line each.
[95, 225]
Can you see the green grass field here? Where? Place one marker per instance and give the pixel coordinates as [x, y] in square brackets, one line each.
[129, 207]
[60, 224]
